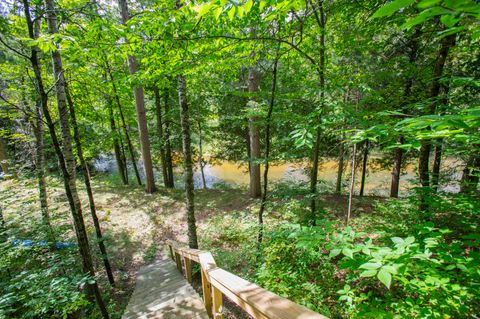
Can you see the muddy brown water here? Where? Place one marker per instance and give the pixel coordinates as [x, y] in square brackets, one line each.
[377, 180]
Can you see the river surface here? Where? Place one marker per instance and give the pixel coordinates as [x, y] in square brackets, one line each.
[377, 180]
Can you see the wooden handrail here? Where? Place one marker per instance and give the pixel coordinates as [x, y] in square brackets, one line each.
[256, 301]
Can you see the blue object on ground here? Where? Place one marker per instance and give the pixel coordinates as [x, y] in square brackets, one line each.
[41, 243]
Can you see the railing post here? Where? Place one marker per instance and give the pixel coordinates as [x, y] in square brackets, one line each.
[207, 294]
[217, 303]
[188, 269]
[171, 252]
[178, 262]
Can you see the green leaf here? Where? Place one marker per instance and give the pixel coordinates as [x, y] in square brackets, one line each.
[334, 253]
[231, 13]
[368, 273]
[248, 5]
[391, 7]
[347, 252]
[385, 277]
[370, 266]
[390, 269]
[397, 240]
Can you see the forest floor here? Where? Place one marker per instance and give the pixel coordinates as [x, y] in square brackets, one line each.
[136, 225]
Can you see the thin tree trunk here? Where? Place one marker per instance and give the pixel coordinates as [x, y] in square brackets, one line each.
[168, 147]
[158, 113]
[123, 157]
[423, 161]
[254, 134]
[88, 186]
[200, 155]
[471, 173]
[338, 186]
[125, 128]
[437, 162]
[364, 167]
[40, 170]
[4, 157]
[397, 169]
[352, 184]
[267, 154]
[116, 144]
[141, 113]
[407, 93]
[316, 149]
[64, 162]
[187, 161]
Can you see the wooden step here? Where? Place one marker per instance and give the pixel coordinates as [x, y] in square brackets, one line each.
[161, 292]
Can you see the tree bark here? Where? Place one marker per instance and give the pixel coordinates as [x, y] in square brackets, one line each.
[267, 153]
[200, 155]
[88, 186]
[168, 146]
[254, 135]
[397, 169]
[364, 167]
[116, 144]
[437, 162]
[407, 93]
[471, 173]
[68, 159]
[131, 150]
[141, 113]
[123, 156]
[316, 149]
[187, 161]
[338, 186]
[423, 161]
[352, 184]
[40, 170]
[4, 157]
[158, 113]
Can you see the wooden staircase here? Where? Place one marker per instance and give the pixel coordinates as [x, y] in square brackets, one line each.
[162, 292]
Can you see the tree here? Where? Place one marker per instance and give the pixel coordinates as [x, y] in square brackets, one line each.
[187, 161]
[141, 113]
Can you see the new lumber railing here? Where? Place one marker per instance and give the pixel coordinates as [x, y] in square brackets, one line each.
[216, 282]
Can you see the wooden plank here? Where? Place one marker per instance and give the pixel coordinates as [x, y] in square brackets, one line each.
[258, 302]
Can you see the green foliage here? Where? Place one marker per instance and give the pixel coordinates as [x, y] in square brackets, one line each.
[423, 272]
[37, 283]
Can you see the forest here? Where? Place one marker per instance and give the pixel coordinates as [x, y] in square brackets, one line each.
[325, 150]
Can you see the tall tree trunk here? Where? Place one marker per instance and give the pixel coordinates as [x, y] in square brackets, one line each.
[316, 149]
[471, 172]
[158, 113]
[200, 155]
[413, 45]
[267, 153]
[4, 157]
[68, 159]
[141, 113]
[40, 170]
[254, 134]
[397, 169]
[116, 144]
[168, 146]
[338, 186]
[364, 167]
[437, 162]
[352, 184]
[423, 161]
[88, 186]
[131, 150]
[187, 161]
[123, 156]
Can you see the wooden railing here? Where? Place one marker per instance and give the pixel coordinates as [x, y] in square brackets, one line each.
[216, 282]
